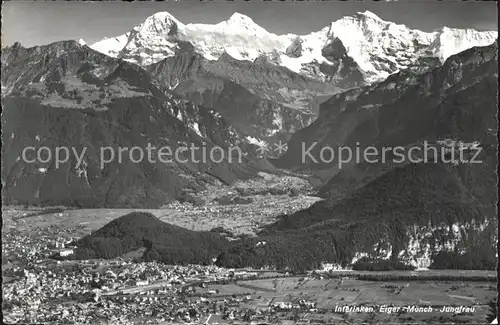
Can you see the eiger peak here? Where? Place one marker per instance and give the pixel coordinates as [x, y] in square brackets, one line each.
[161, 22]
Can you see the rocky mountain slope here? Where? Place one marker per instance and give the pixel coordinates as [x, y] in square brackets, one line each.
[66, 94]
[244, 97]
[440, 212]
[405, 109]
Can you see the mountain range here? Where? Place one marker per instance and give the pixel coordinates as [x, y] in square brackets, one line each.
[359, 82]
[288, 75]
[371, 47]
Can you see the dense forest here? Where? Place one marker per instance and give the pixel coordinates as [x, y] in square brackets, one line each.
[163, 242]
[417, 197]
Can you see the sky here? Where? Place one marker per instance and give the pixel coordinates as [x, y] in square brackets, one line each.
[37, 23]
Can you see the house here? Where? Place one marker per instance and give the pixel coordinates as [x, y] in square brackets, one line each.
[65, 252]
[214, 319]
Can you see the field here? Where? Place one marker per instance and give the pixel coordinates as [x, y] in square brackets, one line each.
[328, 293]
[237, 218]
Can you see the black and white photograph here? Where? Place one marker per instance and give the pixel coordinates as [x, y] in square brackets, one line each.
[249, 162]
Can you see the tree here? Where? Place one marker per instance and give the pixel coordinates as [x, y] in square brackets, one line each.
[493, 311]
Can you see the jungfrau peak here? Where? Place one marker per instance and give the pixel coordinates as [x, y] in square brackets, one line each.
[369, 14]
[381, 48]
[362, 43]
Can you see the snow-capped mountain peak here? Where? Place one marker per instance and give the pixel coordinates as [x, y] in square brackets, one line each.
[367, 22]
[160, 23]
[368, 15]
[238, 23]
[162, 16]
[240, 18]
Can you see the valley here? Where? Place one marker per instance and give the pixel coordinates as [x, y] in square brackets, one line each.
[259, 234]
[196, 293]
